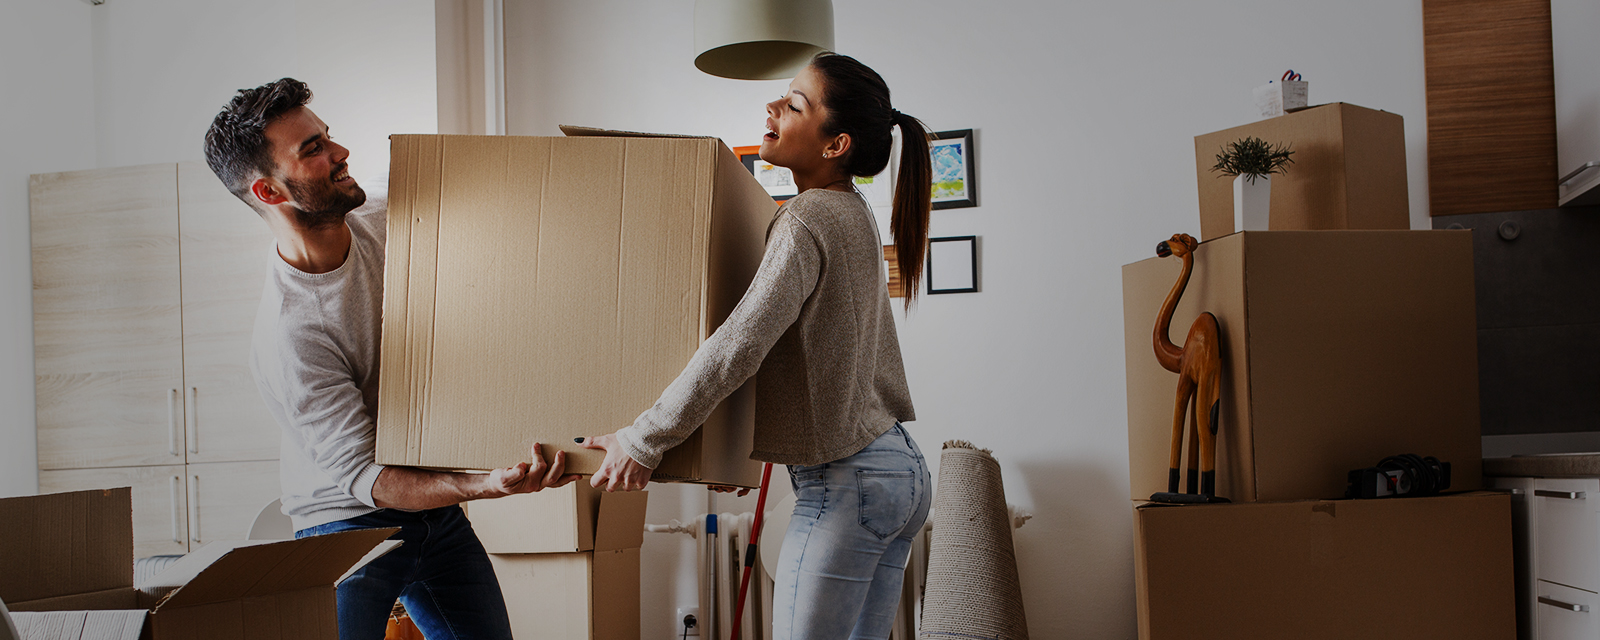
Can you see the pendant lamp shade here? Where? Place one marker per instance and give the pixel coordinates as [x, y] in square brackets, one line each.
[760, 39]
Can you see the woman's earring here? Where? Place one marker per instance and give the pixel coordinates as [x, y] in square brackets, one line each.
[824, 154]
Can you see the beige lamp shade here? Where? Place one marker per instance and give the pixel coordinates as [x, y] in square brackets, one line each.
[760, 39]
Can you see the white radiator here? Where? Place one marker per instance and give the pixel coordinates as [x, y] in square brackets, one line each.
[722, 539]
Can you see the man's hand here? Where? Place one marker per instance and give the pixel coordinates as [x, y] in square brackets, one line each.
[530, 478]
[618, 472]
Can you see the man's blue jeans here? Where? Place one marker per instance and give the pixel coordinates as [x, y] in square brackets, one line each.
[441, 573]
[844, 555]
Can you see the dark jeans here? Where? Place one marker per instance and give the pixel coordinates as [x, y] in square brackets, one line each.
[441, 573]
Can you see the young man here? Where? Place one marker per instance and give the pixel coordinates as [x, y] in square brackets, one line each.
[315, 358]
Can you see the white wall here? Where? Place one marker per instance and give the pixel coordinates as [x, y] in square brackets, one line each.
[46, 123]
[1086, 116]
[138, 81]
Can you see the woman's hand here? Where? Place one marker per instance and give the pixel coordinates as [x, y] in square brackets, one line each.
[722, 488]
[618, 472]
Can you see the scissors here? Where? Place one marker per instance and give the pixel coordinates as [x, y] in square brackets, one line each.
[1290, 75]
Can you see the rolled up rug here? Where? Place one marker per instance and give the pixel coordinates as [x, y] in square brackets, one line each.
[972, 591]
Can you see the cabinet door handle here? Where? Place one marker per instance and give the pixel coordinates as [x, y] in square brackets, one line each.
[1576, 608]
[194, 509]
[1564, 495]
[172, 424]
[193, 421]
[177, 534]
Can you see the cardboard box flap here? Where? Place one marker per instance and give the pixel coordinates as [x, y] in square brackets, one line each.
[621, 523]
[80, 625]
[245, 569]
[66, 543]
[592, 132]
[108, 600]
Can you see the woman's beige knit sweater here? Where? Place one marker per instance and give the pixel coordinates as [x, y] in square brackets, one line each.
[817, 327]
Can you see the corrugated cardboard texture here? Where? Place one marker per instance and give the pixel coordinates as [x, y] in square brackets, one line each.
[540, 289]
[1407, 568]
[307, 613]
[621, 524]
[1340, 348]
[592, 595]
[1349, 171]
[550, 521]
[576, 517]
[279, 567]
[80, 625]
[119, 598]
[1213, 287]
[65, 544]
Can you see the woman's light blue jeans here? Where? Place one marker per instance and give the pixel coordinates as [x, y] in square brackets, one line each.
[844, 555]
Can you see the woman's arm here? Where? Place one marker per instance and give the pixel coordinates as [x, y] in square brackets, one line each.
[787, 276]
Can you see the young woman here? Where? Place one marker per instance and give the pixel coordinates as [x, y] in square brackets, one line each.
[816, 323]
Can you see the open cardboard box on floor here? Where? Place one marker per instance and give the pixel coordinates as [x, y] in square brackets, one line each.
[1349, 171]
[583, 595]
[67, 574]
[1436, 567]
[576, 517]
[539, 289]
[1339, 348]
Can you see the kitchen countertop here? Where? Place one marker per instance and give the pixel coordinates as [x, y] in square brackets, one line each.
[1546, 465]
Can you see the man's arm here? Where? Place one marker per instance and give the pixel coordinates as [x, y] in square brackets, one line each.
[417, 489]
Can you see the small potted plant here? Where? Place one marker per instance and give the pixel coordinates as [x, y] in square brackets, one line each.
[1251, 162]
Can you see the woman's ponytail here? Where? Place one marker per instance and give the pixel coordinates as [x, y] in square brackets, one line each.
[857, 101]
[913, 195]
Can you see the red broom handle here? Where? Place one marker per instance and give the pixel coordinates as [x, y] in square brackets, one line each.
[750, 550]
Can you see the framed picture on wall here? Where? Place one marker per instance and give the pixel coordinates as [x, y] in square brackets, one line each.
[778, 181]
[955, 170]
[952, 265]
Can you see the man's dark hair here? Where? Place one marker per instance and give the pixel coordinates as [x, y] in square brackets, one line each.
[236, 145]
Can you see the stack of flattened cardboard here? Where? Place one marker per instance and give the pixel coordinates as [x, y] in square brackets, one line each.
[1345, 339]
[67, 574]
[539, 289]
[567, 560]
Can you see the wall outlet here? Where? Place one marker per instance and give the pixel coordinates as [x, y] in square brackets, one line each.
[689, 617]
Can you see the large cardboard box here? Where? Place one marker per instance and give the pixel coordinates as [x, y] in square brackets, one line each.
[1399, 568]
[67, 573]
[576, 517]
[539, 289]
[1349, 171]
[589, 595]
[583, 595]
[1339, 348]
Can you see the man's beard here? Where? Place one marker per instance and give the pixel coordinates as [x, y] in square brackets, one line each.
[322, 204]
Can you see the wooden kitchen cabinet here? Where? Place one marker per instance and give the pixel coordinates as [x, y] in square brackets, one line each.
[160, 502]
[180, 508]
[226, 251]
[146, 285]
[108, 331]
[224, 498]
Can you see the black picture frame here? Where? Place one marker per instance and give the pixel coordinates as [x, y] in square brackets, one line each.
[969, 159]
[963, 280]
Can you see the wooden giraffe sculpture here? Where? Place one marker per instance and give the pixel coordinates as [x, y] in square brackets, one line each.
[1198, 364]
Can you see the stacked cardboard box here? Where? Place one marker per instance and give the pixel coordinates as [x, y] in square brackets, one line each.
[540, 289]
[1344, 339]
[1349, 171]
[67, 574]
[567, 560]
